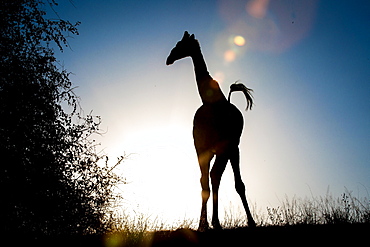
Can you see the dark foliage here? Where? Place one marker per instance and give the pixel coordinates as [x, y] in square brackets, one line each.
[52, 180]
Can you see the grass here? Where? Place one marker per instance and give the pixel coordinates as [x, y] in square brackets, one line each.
[295, 217]
[315, 220]
[320, 211]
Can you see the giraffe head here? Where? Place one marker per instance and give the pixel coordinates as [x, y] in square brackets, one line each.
[184, 48]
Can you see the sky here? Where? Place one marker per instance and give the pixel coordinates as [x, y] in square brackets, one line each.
[308, 62]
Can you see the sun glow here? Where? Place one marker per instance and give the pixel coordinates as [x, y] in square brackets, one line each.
[163, 174]
[163, 177]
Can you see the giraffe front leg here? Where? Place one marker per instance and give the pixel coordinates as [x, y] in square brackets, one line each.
[203, 222]
[216, 174]
[204, 161]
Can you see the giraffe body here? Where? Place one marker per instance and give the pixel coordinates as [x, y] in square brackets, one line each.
[217, 128]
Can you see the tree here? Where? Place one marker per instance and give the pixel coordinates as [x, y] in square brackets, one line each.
[52, 179]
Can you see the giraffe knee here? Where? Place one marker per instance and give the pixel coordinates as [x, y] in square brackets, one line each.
[240, 187]
[205, 188]
[215, 177]
[205, 195]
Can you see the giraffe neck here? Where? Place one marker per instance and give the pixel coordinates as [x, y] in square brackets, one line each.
[209, 89]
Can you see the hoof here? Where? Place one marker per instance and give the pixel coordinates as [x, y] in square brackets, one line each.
[251, 223]
[216, 225]
[203, 226]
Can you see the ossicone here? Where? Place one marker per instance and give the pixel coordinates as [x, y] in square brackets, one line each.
[186, 35]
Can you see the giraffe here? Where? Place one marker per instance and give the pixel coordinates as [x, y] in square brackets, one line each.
[217, 128]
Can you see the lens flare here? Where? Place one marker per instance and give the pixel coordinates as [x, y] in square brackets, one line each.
[219, 77]
[267, 25]
[229, 56]
[257, 8]
[114, 240]
[239, 40]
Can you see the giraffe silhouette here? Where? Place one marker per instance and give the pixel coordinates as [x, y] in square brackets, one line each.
[217, 128]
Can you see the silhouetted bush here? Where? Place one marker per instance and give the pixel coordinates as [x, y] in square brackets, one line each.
[52, 179]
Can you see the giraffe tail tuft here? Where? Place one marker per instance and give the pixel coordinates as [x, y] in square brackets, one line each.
[247, 92]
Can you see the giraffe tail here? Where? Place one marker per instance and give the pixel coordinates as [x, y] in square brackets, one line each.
[247, 92]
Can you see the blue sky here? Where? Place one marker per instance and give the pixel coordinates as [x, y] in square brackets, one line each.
[307, 61]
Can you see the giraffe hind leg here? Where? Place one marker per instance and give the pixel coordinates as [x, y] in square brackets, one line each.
[239, 185]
